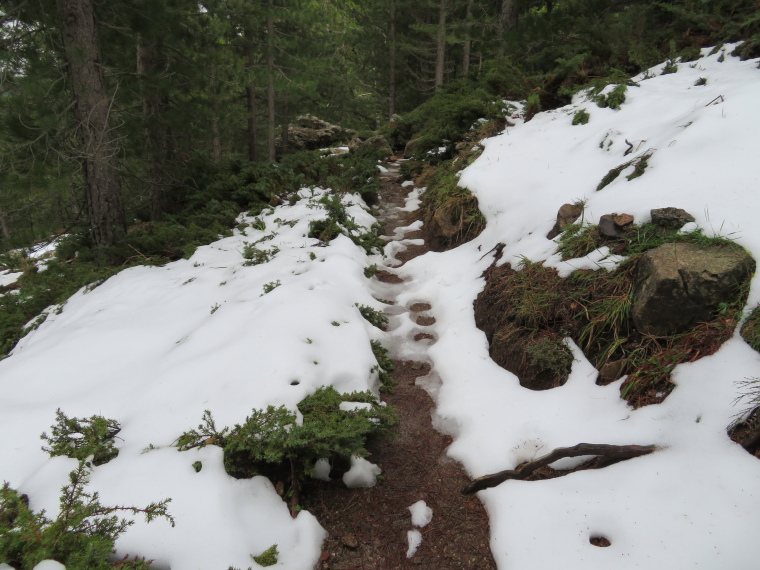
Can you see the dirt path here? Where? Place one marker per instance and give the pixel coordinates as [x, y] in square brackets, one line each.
[368, 527]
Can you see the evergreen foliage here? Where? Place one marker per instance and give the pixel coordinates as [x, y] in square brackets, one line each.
[81, 537]
[81, 438]
[271, 442]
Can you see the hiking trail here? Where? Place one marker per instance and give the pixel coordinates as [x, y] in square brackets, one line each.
[368, 527]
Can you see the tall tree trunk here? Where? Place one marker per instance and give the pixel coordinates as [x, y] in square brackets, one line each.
[4, 225]
[216, 139]
[270, 90]
[92, 107]
[467, 39]
[284, 129]
[440, 52]
[155, 136]
[507, 21]
[392, 65]
[250, 91]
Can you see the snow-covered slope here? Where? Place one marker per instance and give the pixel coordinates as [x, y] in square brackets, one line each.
[154, 347]
[696, 502]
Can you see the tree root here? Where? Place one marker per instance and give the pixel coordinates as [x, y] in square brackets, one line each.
[616, 452]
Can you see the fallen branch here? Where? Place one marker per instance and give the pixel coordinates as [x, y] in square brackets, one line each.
[619, 452]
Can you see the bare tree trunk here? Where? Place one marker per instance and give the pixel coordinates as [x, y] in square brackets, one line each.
[216, 139]
[250, 90]
[92, 107]
[507, 21]
[284, 128]
[440, 52]
[392, 65]
[270, 90]
[4, 225]
[467, 40]
[155, 139]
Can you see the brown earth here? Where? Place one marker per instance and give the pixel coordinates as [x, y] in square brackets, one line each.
[368, 527]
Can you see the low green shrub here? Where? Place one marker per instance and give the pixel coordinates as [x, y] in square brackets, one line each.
[255, 256]
[271, 443]
[81, 537]
[338, 222]
[81, 438]
[268, 557]
[581, 117]
[372, 316]
[384, 366]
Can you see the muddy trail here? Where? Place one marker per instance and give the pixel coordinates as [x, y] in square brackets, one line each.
[368, 527]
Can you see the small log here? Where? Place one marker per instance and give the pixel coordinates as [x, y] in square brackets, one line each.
[525, 470]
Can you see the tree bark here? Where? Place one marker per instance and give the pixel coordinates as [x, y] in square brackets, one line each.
[467, 40]
[148, 56]
[270, 89]
[617, 452]
[4, 225]
[250, 91]
[92, 107]
[440, 52]
[392, 65]
[507, 21]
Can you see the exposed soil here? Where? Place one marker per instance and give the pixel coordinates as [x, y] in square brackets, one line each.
[368, 527]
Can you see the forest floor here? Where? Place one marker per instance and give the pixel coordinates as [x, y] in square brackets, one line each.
[368, 527]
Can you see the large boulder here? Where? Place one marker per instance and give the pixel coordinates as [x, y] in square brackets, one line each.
[680, 284]
[377, 143]
[311, 133]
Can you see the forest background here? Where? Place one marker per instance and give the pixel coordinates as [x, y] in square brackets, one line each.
[140, 128]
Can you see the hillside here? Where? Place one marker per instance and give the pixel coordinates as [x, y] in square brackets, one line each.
[268, 316]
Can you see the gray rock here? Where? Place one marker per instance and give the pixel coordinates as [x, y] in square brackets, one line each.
[311, 133]
[680, 284]
[614, 225]
[671, 218]
[412, 147]
[568, 214]
[377, 143]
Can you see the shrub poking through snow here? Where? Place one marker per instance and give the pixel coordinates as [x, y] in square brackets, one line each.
[82, 536]
[581, 117]
[256, 256]
[271, 443]
[372, 316]
[338, 222]
[384, 366]
[81, 438]
[268, 557]
[613, 99]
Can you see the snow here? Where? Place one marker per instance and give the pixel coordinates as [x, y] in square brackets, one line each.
[153, 347]
[9, 278]
[361, 474]
[47, 565]
[414, 538]
[421, 514]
